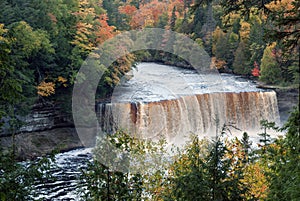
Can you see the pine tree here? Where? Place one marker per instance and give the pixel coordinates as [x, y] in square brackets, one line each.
[173, 19]
[241, 60]
[256, 40]
[285, 169]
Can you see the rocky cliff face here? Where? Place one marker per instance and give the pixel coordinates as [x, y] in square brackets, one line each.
[33, 144]
[43, 116]
[287, 100]
[45, 129]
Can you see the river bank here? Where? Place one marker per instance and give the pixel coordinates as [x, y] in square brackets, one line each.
[49, 130]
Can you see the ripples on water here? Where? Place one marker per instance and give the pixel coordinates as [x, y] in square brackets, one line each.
[66, 172]
[152, 83]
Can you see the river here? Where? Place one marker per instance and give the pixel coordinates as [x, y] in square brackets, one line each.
[156, 100]
[65, 175]
[167, 101]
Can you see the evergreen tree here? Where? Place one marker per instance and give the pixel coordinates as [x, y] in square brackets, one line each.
[285, 169]
[207, 171]
[256, 40]
[173, 19]
[198, 20]
[241, 58]
[189, 179]
[270, 70]
[224, 46]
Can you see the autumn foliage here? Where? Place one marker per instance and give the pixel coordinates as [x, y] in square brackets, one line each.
[103, 30]
[46, 88]
[255, 70]
[149, 13]
[127, 9]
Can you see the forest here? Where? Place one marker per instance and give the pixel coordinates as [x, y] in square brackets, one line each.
[44, 43]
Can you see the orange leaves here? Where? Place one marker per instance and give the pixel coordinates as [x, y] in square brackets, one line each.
[255, 72]
[179, 5]
[219, 63]
[127, 10]
[148, 14]
[46, 88]
[283, 5]
[103, 30]
[53, 18]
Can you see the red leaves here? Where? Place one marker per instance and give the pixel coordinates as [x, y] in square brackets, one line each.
[103, 30]
[127, 9]
[255, 70]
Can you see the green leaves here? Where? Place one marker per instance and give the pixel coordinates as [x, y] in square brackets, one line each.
[270, 70]
[283, 161]
[17, 179]
[21, 47]
[224, 169]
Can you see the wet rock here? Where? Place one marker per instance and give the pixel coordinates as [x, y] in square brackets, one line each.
[34, 144]
[287, 100]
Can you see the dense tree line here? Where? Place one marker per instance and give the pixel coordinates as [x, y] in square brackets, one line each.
[222, 169]
[238, 35]
[44, 43]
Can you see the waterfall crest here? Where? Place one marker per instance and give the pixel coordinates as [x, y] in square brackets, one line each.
[169, 102]
[196, 114]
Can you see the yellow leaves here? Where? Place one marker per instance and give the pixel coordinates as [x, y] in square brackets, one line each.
[254, 177]
[283, 5]
[148, 22]
[245, 31]
[256, 181]
[62, 80]
[2, 31]
[3, 39]
[217, 35]
[46, 88]
[231, 18]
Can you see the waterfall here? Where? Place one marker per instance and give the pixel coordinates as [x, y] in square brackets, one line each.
[196, 114]
[170, 102]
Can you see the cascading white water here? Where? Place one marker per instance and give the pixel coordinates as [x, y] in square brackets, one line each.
[164, 101]
[190, 114]
[152, 106]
